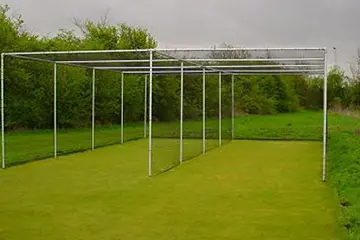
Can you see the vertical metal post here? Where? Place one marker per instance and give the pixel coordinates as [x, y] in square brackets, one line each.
[2, 113]
[232, 107]
[55, 110]
[181, 111]
[145, 107]
[122, 108]
[204, 111]
[325, 119]
[220, 109]
[93, 112]
[150, 113]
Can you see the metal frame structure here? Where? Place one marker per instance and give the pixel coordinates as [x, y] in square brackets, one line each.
[150, 62]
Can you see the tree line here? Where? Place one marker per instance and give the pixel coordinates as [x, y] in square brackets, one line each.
[29, 85]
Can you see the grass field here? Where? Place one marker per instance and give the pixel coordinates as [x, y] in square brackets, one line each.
[31, 145]
[22, 147]
[245, 190]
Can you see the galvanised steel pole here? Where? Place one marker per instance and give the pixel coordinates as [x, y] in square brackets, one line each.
[93, 111]
[220, 77]
[122, 108]
[150, 114]
[2, 112]
[181, 111]
[55, 110]
[325, 119]
[145, 107]
[204, 110]
[232, 107]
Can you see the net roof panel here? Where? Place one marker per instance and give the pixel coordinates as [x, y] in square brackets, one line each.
[226, 60]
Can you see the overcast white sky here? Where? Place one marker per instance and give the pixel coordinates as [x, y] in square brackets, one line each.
[205, 23]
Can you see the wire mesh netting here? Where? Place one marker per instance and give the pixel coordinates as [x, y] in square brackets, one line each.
[166, 123]
[226, 60]
[134, 110]
[267, 108]
[192, 128]
[107, 108]
[29, 107]
[212, 123]
[28, 111]
[226, 109]
[252, 61]
[74, 112]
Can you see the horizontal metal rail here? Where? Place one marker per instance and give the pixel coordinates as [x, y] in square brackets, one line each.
[193, 60]
[165, 50]
[244, 72]
[211, 66]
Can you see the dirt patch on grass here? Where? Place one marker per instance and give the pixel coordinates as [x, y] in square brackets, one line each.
[357, 132]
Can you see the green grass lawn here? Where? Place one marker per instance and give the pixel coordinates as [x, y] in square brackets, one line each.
[132, 159]
[245, 190]
[22, 147]
[344, 175]
[31, 145]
